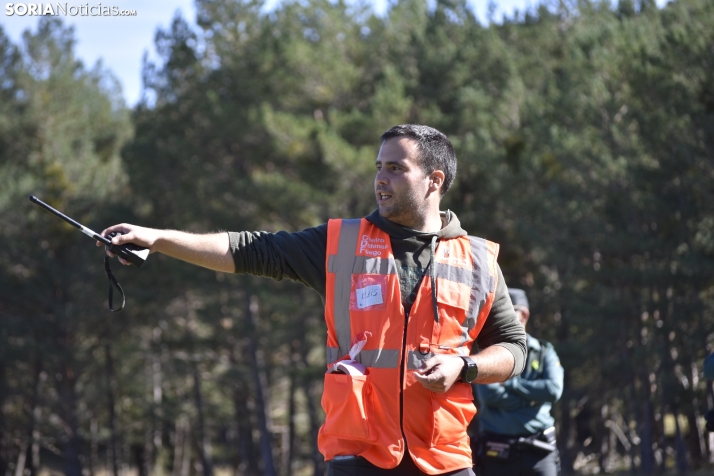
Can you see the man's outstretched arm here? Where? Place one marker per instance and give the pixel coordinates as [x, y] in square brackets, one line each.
[207, 250]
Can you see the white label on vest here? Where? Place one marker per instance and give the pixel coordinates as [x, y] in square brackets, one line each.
[369, 296]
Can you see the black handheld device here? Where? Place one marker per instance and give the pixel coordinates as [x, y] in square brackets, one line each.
[134, 254]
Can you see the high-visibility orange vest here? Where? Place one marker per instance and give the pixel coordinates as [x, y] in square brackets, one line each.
[372, 415]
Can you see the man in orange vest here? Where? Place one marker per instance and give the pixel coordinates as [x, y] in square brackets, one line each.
[407, 292]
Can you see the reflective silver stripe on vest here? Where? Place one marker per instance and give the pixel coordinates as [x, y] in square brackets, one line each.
[415, 358]
[483, 282]
[380, 358]
[376, 358]
[342, 265]
[374, 265]
[453, 273]
[362, 265]
[333, 353]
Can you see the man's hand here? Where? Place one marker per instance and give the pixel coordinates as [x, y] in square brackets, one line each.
[440, 372]
[144, 237]
[211, 250]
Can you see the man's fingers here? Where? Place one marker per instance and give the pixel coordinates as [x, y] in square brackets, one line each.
[439, 373]
[123, 238]
[124, 235]
[433, 382]
[429, 378]
[427, 366]
[120, 229]
[423, 378]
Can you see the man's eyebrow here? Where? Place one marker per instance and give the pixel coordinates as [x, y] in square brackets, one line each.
[389, 162]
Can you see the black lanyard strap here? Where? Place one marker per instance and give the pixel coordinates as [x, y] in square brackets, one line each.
[113, 283]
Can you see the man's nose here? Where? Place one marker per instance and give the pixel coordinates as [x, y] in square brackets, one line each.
[381, 177]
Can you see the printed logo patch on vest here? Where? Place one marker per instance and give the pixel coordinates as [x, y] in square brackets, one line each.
[372, 246]
[445, 255]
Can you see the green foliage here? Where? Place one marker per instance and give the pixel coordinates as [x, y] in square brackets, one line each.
[61, 127]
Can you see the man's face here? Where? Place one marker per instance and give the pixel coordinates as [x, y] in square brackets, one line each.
[401, 186]
[522, 314]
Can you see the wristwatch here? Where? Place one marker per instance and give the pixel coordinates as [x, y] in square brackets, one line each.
[470, 370]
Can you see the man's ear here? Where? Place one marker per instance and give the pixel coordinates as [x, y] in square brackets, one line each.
[436, 180]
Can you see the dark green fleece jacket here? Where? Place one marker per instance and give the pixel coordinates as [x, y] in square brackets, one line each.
[300, 256]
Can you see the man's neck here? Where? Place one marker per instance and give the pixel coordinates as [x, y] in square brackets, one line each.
[432, 224]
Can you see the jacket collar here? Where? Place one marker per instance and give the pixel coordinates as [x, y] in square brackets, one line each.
[451, 227]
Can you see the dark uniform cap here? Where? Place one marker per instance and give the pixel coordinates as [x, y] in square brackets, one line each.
[518, 297]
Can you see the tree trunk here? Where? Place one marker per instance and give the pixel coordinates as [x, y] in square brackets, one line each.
[630, 413]
[21, 460]
[680, 447]
[32, 461]
[3, 429]
[318, 462]
[68, 398]
[266, 451]
[695, 437]
[566, 440]
[35, 434]
[248, 464]
[185, 467]
[294, 361]
[602, 438]
[645, 429]
[661, 440]
[179, 435]
[139, 459]
[93, 448]
[710, 404]
[111, 405]
[156, 444]
[204, 451]
[202, 441]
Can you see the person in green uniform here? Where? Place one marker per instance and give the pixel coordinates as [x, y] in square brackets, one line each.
[517, 436]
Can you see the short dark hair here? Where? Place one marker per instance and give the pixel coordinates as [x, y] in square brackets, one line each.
[435, 150]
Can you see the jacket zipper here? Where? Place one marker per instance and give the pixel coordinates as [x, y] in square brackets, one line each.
[401, 381]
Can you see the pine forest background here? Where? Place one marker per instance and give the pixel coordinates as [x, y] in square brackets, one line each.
[585, 137]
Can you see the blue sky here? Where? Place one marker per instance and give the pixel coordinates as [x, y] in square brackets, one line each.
[120, 42]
